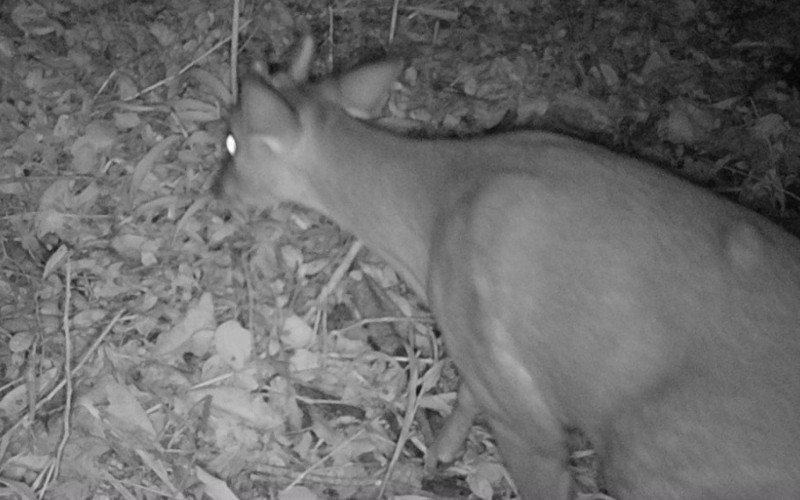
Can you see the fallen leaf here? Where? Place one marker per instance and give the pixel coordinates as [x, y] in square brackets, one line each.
[215, 488]
[250, 408]
[234, 344]
[124, 405]
[296, 333]
[297, 493]
[200, 316]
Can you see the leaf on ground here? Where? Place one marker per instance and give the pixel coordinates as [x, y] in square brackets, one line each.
[15, 401]
[234, 344]
[123, 405]
[298, 493]
[296, 333]
[200, 316]
[99, 137]
[215, 488]
[248, 408]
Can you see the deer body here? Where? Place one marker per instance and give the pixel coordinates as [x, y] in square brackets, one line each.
[574, 286]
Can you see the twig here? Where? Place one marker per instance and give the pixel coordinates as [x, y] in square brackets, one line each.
[383, 319]
[322, 460]
[105, 84]
[338, 274]
[412, 404]
[330, 36]
[67, 369]
[330, 286]
[55, 466]
[393, 23]
[75, 370]
[234, 50]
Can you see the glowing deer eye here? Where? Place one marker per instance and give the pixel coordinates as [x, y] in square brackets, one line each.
[230, 144]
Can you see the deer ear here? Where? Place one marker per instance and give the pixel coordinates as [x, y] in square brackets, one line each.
[260, 68]
[301, 64]
[363, 91]
[266, 116]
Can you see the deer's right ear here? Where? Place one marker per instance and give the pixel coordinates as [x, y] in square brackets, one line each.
[260, 68]
[301, 64]
[265, 116]
[362, 92]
